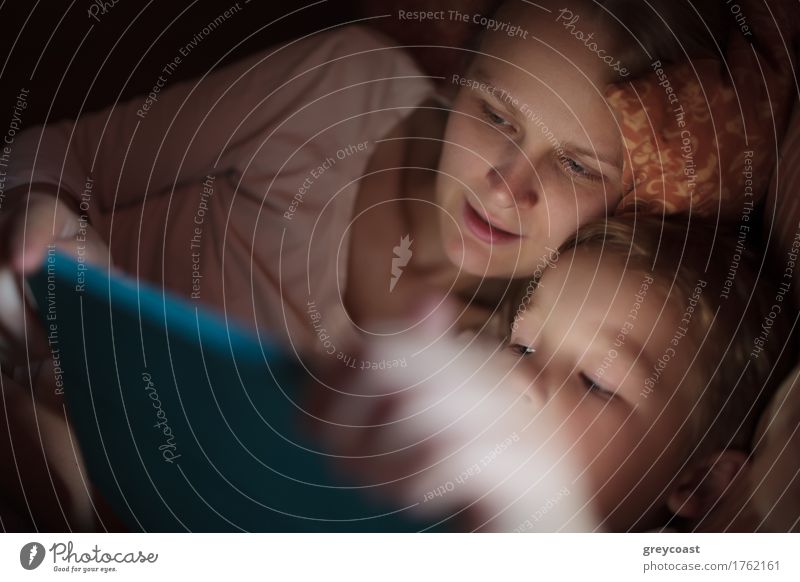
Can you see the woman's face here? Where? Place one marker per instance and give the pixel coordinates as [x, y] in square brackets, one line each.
[532, 150]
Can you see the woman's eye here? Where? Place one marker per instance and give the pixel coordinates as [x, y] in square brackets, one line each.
[522, 350]
[495, 119]
[595, 388]
[574, 168]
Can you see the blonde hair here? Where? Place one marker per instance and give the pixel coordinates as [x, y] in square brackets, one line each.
[678, 252]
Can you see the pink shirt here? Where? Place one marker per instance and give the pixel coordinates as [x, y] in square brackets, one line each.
[237, 190]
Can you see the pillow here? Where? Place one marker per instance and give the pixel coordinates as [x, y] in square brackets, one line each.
[701, 136]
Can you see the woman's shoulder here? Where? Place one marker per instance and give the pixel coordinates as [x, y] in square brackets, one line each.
[317, 97]
[348, 71]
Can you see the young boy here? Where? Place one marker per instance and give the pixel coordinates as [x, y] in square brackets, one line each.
[655, 344]
[641, 350]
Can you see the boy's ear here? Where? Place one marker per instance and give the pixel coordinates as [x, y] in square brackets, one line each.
[703, 483]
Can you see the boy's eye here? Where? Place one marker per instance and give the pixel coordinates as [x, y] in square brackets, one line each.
[522, 350]
[574, 168]
[595, 388]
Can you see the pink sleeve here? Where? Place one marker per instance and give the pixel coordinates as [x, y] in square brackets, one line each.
[147, 146]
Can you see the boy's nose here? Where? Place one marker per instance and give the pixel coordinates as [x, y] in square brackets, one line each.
[529, 385]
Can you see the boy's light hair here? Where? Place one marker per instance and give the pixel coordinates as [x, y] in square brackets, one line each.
[738, 379]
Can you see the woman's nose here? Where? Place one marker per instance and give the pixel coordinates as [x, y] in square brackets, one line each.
[513, 183]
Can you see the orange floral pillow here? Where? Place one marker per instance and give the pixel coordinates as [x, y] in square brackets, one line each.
[703, 136]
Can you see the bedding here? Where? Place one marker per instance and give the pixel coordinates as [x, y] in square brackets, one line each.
[701, 136]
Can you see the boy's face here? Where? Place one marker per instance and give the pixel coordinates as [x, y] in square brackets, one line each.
[606, 363]
[532, 150]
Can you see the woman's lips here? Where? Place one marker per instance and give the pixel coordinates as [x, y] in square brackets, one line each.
[484, 230]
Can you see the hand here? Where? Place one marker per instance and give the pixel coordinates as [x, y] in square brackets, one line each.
[448, 434]
[29, 224]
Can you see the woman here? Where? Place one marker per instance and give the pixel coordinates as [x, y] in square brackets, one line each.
[338, 139]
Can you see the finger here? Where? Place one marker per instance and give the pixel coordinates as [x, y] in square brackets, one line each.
[19, 325]
[44, 222]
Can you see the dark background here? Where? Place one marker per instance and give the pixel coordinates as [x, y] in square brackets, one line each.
[57, 43]
[64, 57]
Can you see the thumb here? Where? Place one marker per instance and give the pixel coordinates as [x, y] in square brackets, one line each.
[44, 222]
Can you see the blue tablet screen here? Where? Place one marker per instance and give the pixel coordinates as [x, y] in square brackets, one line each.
[187, 422]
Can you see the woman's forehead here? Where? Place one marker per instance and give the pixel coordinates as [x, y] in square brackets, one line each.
[571, 108]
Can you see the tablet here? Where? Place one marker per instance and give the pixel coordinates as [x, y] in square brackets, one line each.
[186, 421]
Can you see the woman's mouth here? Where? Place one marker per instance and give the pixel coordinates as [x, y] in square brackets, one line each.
[485, 230]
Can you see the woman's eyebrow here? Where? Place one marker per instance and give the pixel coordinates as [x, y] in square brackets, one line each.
[480, 76]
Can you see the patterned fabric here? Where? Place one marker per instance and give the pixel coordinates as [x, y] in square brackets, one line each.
[702, 136]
